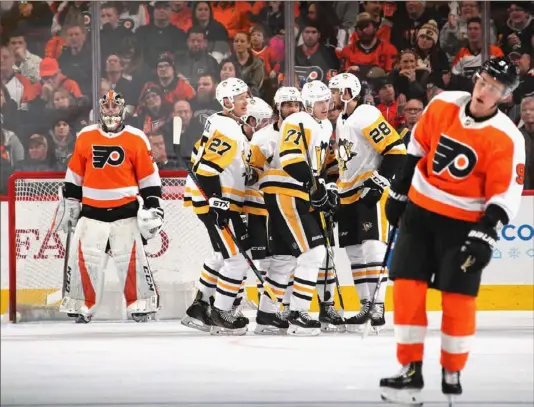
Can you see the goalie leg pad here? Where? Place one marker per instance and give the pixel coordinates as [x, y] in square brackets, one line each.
[133, 270]
[84, 280]
[308, 264]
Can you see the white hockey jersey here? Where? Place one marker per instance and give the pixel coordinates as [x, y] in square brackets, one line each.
[362, 139]
[290, 150]
[222, 152]
[262, 146]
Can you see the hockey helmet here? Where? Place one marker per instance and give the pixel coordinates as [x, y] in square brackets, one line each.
[286, 94]
[260, 110]
[502, 70]
[112, 110]
[315, 91]
[344, 81]
[228, 89]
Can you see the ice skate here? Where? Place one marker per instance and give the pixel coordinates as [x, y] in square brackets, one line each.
[377, 317]
[143, 316]
[450, 385]
[80, 318]
[271, 323]
[405, 387]
[198, 315]
[226, 323]
[330, 319]
[237, 309]
[302, 324]
[356, 322]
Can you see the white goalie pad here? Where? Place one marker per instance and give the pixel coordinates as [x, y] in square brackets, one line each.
[84, 282]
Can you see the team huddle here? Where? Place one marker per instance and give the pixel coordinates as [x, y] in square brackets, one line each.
[270, 184]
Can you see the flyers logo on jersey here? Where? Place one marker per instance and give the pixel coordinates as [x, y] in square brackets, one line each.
[112, 155]
[457, 158]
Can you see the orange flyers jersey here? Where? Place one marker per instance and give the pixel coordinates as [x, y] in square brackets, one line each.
[111, 168]
[290, 149]
[260, 155]
[466, 63]
[466, 165]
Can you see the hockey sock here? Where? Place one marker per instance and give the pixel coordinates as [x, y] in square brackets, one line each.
[308, 265]
[327, 278]
[209, 276]
[458, 325]
[359, 271]
[409, 314]
[277, 277]
[286, 300]
[230, 280]
[372, 273]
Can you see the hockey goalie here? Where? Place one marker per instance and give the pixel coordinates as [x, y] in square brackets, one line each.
[112, 200]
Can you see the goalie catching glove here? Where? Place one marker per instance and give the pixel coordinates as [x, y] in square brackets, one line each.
[373, 189]
[219, 211]
[149, 220]
[68, 211]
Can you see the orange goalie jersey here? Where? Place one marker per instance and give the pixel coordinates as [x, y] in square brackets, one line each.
[111, 168]
[466, 164]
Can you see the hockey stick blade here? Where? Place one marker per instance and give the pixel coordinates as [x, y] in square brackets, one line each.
[367, 325]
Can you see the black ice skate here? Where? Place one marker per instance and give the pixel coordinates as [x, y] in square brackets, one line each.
[405, 387]
[330, 319]
[80, 318]
[226, 323]
[301, 324]
[356, 323]
[198, 315]
[237, 309]
[450, 385]
[271, 323]
[143, 316]
[377, 317]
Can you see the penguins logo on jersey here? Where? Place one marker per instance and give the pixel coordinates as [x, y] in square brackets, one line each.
[457, 158]
[112, 155]
[345, 153]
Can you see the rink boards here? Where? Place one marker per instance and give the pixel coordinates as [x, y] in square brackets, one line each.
[508, 282]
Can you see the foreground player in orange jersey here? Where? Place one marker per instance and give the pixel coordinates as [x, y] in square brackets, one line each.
[113, 175]
[462, 181]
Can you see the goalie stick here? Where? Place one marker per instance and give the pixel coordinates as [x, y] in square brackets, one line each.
[329, 251]
[367, 325]
[56, 296]
[176, 136]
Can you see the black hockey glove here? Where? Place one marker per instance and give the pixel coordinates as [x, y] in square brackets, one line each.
[219, 211]
[373, 189]
[319, 195]
[477, 250]
[395, 206]
[333, 197]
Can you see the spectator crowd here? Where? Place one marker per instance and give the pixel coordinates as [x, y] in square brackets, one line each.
[166, 58]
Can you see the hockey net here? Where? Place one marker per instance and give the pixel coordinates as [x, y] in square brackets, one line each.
[36, 255]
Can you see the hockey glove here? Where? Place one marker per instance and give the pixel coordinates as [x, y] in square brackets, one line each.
[219, 211]
[373, 189]
[251, 176]
[68, 210]
[150, 220]
[333, 197]
[477, 250]
[319, 195]
[395, 206]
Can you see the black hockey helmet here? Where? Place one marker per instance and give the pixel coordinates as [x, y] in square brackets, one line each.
[502, 70]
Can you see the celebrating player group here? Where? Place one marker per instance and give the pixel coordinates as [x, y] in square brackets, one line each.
[270, 184]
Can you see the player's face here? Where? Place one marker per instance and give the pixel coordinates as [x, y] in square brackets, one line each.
[486, 94]
[336, 98]
[288, 108]
[240, 104]
[321, 109]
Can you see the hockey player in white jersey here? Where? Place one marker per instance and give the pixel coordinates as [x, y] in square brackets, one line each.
[220, 167]
[277, 268]
[112, 199]
[291, 188]
[370, 152]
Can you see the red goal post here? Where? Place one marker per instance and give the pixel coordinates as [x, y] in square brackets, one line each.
[36, 255]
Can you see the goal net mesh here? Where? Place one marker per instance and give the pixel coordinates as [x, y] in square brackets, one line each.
[175, 256]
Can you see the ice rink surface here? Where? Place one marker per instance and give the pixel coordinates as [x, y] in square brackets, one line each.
[165, 364]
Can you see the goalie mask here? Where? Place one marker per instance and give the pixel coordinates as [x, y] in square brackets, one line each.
[112, 111]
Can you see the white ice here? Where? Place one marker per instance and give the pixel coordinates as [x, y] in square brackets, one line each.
[166, 364]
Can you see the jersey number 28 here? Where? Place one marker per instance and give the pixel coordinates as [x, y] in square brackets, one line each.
[380, 132]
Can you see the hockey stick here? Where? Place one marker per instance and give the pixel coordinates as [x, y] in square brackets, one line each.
[329, 251]
[177, 132]
[367, 325]
[56, 296]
